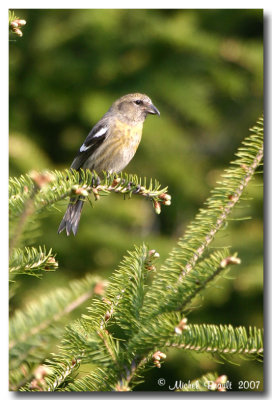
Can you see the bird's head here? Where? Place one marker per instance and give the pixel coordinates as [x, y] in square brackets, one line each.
[134, 108]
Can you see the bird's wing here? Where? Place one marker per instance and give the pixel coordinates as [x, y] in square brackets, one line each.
[94, 139]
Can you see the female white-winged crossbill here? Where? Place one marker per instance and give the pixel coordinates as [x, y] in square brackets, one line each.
[110, 146]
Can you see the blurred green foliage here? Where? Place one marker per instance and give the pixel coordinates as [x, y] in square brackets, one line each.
[203, 69]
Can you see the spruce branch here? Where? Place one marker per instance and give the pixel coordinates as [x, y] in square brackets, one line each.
[22, 193]
[20, 190]
[81, 346]
[53, 377]
[180, 296]
[126, 290]
[100, 380]
[209, 220]
[33, 193]
[124, 294]
[139, 366]
[80, 341]
[18, 377]
[88, 183]
[21, 207]
[154, 335]
[32, 330]
[205, 272]
[222, 339]
[133, 374]
[40, 314]
[172, 330]
[248, 159]
[31, 261]
[51, 187]
[88, 340]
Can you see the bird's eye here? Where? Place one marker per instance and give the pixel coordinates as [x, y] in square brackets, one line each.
[138, 102]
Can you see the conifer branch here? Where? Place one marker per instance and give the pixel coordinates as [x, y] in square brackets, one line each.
[25, 204]
[87, 183]
[126, 290]
[18, 377]
[51, 378]
[222, 339]
[66, 368]
[87, 340]
[208, 221]
[39, 315]
[31, 261]
[56, 186]
[133, 373]
[233, 199]
[172, 330]
[101, 380]
[179, 296]
[206, 271]
[39, 319]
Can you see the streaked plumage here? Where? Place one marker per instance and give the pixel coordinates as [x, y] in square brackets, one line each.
[110, 145]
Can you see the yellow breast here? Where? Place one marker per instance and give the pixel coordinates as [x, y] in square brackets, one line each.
[130, 135]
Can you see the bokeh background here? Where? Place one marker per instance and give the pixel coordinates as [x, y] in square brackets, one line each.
[203, 69]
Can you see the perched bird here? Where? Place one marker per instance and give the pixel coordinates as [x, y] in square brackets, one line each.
[109, 146]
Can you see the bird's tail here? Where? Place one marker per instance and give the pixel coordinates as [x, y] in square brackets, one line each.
[71, 218]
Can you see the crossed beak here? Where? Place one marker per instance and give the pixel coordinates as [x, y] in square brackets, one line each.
[151, 109]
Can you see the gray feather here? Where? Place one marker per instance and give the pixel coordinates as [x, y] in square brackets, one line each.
[71, 218]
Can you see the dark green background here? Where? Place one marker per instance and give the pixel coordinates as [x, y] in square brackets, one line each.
[203, 69]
